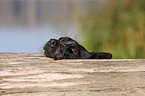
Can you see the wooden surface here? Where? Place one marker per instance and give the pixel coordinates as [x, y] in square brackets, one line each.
[37, 75]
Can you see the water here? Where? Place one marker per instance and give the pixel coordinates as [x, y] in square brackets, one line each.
[29, 40]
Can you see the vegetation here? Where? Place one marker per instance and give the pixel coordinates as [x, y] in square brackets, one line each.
[117, 26]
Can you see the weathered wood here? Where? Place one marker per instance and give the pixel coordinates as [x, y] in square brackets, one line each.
[35, 74]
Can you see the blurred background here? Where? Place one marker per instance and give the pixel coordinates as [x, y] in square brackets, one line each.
[115, 26]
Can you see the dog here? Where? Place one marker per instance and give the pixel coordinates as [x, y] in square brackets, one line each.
[67, 48]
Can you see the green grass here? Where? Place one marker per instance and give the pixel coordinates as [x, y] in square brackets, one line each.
[117, 27]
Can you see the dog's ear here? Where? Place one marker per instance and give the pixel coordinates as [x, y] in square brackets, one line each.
[65, 39]
[100, 55]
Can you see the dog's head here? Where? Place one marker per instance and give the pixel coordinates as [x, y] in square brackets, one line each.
[67, 48]
[51, 48]
[64, 48]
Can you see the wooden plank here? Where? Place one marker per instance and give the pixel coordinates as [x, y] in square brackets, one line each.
[23, 74]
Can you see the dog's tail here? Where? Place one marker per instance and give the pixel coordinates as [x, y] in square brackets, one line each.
[100, 55]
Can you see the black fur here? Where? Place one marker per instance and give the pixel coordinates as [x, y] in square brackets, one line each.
[67, 48]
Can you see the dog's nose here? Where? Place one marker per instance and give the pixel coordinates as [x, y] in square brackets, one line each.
[45, 47]
[53, 42]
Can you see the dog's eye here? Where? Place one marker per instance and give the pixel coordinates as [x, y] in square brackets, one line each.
[53, 43]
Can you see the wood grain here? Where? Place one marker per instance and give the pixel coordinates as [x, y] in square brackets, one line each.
[27, 74]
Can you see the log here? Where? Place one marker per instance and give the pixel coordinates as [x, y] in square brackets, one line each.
[31, 74]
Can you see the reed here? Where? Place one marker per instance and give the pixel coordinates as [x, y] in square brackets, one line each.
[117, 26]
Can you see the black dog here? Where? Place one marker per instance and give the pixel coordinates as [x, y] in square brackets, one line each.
[67, 48]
